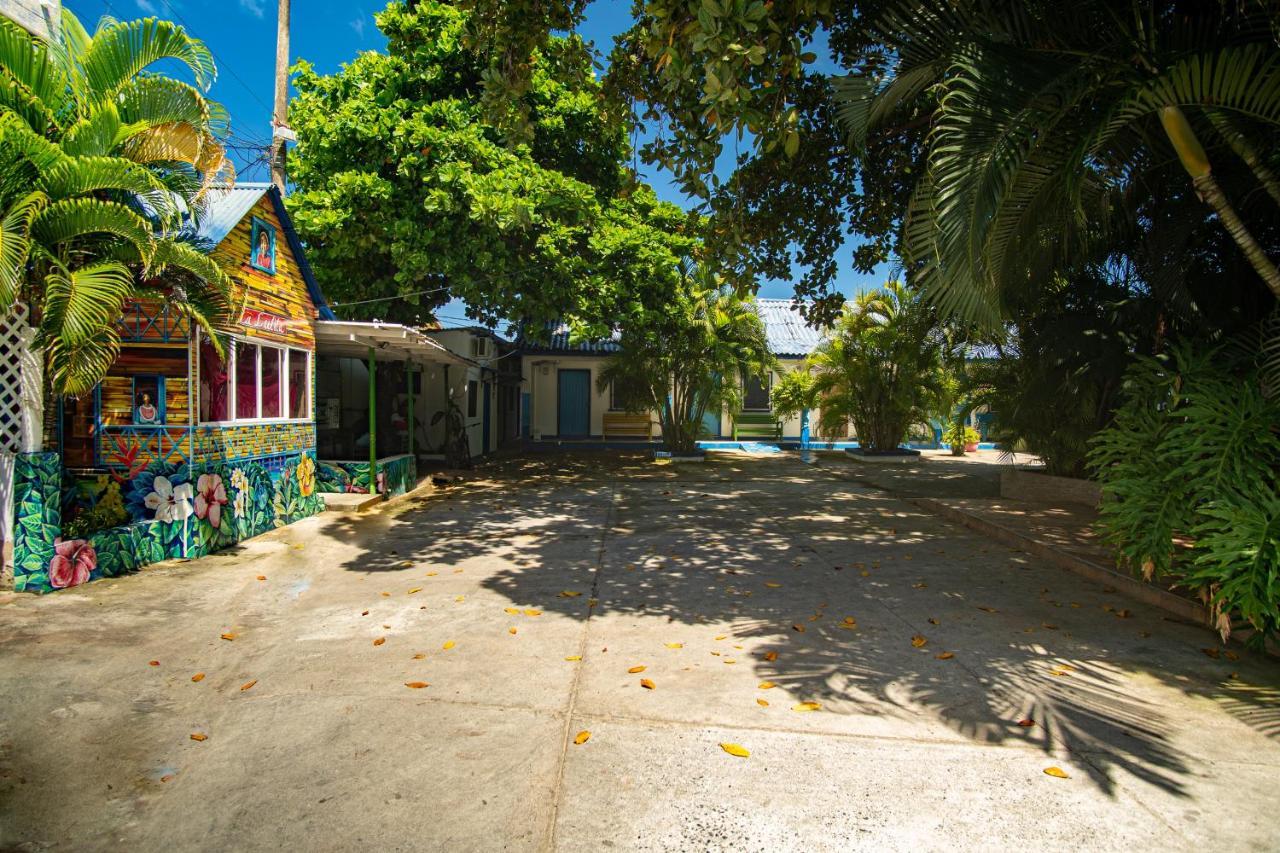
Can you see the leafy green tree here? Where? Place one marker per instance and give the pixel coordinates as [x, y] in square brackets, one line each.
[409, 192]
[881, 367]
[99, 161]
[1045, 124]
[675, 357]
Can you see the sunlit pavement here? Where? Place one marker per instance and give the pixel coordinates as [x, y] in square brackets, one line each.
[898, 683]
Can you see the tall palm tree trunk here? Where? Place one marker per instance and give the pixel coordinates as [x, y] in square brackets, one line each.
[1196, 162]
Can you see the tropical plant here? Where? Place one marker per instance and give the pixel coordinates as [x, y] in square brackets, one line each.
[455, 446]
[881, 367]
[100, 161]
[679, 358]
[958, 435]
[1190, 474]
[1044, 123]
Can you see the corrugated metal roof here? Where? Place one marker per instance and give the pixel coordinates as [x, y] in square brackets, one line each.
[786, 329]
[225, 208]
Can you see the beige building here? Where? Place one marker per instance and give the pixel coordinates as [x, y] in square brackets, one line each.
[41, 18]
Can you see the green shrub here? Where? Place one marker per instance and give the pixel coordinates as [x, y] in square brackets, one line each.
[1194, 454]
[90, 521]
[953, 435]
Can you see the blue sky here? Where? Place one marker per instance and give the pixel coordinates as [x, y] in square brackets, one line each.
[327, 33]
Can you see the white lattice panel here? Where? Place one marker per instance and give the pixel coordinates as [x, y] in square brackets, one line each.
[21, 401]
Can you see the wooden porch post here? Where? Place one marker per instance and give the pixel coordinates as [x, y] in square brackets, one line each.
[373, 423]
[409, 373]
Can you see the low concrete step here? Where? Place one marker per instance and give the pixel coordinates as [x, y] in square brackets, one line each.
[349, 501]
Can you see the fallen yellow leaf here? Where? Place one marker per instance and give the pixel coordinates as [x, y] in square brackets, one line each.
[945, 656]
[385, 594]
[770, 656]
[450, 644]
[419, 656]
[262, 577]
[647, 684]
[569, 593]
[736, 750]
[675, 645]
[636, 669]
[198, 736]
[199, 676]
[582, 737]
[772, 585]
[415, 589]
[722, 636]
[1056, 772]
[574, 657]
[416, 685]
[763, 703]
[918, 641]
[513, 611]
[432, 574]
[461, 598]
[533, 613]
[767, 685]
[248, 684]
[228, 636]
[807, 706]
[730, 660]
[379, 641]
[511, 630]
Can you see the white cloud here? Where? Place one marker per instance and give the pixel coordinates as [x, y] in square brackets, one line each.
[146, 7]
[253, 7]
[358, 24]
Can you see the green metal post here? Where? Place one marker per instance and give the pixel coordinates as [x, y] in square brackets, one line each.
[373, 424]
[410, 375]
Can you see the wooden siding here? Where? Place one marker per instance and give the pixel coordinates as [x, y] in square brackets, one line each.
[116, 392]
[283, 294]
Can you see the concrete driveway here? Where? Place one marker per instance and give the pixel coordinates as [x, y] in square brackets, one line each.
[526, 598]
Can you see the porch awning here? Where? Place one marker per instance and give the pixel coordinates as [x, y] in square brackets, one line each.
[390, 341]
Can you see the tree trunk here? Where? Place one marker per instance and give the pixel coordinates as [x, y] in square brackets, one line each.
[1196, 162]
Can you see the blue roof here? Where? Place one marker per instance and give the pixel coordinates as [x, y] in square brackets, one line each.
[784, 327]
[224, 209]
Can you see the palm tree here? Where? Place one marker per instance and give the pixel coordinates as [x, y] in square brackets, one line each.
[675, 360]
[100, 163]
[881, 367]
[1042, 118]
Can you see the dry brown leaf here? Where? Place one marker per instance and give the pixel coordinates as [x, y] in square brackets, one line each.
[945, 656]
[511, 630]
[448, 645]
[807, 706]
[379, 641]
[636, 669]
[1213, 653]
[1231, 655]
[248, 684]
[569, 593]
[197, 736]
[933, 621]
[385, 594]
[988, 610]
[153, 663]
[921, 585]
[798, 627]
[736, 750]
[228, 636]
[416, 685]
[364, 612]
[918, 641]
[199, 676]
[262, 577]
[1056, 772]
[1026, 722]
[1124, 614]
[582, 737]
[771, 656]
[419, 656]
[647, 684]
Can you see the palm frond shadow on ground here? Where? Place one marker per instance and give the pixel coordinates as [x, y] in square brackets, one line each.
[753, 550]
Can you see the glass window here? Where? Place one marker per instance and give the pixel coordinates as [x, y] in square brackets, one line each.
[246, 381]
[755, 394]
[299, 385]
[215, 385]
[272, 386]
[473, 392]
[614, 405]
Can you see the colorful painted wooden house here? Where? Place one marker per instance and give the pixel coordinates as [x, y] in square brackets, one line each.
[185, 449]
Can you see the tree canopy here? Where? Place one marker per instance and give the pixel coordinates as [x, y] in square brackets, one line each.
[409, 193]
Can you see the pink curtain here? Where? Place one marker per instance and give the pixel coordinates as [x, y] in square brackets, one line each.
[213, 384]
[246, 381]
[271, 382]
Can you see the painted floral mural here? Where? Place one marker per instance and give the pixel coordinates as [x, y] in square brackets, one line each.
[211, 497]
[168, 501]
[73, 562]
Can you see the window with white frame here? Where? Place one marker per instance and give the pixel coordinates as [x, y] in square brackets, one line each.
[257, 382]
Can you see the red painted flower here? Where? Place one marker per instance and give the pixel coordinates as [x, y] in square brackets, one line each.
[211, 497]
[73, 561]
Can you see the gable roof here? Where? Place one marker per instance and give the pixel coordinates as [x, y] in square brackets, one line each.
[228, 206]
[785, 329]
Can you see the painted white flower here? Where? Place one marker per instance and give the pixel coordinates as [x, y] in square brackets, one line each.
[170, 502]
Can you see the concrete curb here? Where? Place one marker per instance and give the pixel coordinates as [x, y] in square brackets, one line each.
[1183, 608]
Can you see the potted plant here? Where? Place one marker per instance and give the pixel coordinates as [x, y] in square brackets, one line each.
[961, 436]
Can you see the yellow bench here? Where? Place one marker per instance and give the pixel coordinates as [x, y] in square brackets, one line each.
[625, 425]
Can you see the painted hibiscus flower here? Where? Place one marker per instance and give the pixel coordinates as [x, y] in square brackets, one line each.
[306, 475]
[73, 561]
[170, 502]
[211, 497]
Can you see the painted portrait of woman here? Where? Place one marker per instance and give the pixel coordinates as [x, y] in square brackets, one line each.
[262, 247]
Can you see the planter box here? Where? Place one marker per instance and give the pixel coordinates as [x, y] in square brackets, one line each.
[1024, 484]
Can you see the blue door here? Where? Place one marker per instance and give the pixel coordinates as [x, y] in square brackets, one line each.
[575, 403]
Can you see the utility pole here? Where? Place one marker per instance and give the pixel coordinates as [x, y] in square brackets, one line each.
[280, 132]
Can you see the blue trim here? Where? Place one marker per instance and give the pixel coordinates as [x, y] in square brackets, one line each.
[160, 403]
[300, 256]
